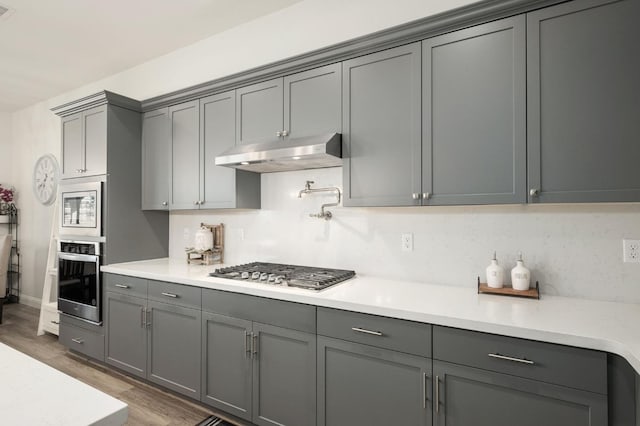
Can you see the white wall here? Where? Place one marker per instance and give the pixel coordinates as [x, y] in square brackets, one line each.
[5, 148]
[573, 250]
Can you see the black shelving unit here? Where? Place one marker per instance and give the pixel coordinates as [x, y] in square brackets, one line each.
[13, 275]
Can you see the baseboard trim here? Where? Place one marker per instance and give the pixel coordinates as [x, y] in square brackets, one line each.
[34, 302]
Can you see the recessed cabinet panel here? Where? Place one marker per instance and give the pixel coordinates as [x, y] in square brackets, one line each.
[470, 396]
[474, 130]
[583, 105]
[95, 137]
[156, 160]
[381, 136]
[259, 111]
[72, 149]
[126, 339]
[218, 133]
[185, 155]
[312, 102]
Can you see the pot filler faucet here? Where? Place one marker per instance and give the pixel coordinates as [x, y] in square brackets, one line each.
[324, 214]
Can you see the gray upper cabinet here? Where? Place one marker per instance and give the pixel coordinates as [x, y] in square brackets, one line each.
[473, 109]
[84, 143]
[583, 64]
[185, 155]
[223, 187]
[156, 160]
[302, 104]
[259, 111]
[312, 102]
[381, 135]
[472, 396]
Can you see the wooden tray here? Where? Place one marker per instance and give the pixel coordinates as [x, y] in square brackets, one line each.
[532, 293]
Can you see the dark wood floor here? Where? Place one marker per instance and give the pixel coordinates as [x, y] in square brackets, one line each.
[148, 405]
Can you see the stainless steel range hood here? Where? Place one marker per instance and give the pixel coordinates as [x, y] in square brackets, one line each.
[311, 152]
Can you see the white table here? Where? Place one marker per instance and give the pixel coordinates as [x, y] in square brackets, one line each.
[32, 393]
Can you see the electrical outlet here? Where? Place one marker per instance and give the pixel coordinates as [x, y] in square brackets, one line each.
[407, 242]
[631, 251]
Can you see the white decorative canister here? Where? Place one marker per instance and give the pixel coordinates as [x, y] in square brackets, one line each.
[495, 273]
[520, 276]
[203, 239]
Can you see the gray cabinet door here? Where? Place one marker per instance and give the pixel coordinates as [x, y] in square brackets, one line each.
[227, 364]
[126, 339]
[72, 145]
[217, 134]
[284, 376]
[474, 117]
[470, 396]
[94, 125]
[312, 102]
[185, 155]
[259, 111]
[381, 134]
[156, 160]
[174, 347]
[582, 92]
[361, 385]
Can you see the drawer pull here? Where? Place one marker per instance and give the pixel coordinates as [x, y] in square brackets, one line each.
[508, 358]
[436, 400]
[55, 322]
[365, 331]
[247, 344]
[78, 341]
[170, 295]
[424, 390]
[121, 286]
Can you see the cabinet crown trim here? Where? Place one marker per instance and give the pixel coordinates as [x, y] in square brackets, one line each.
[97, 99]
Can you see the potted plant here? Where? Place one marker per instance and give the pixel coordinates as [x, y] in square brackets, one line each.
[6, 198]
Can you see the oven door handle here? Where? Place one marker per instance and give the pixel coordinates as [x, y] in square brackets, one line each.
[78, 257]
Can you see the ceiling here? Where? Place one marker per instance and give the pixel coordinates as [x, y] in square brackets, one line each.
[53, 46]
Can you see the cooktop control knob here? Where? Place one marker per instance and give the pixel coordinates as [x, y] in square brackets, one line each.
[264, 276]
[255, 275]
[272, 278]
[244, 275]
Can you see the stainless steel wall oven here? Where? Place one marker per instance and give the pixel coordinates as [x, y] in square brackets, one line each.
[79, 288]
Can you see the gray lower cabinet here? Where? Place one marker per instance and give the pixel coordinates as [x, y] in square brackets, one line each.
[362, 385]
[474, 115]
[259, 372]
[126, 338]
[381, 134]
[84, 143]
[173, 356]
[582, 93]
[472, 396]
[82, 337]
[156, 160]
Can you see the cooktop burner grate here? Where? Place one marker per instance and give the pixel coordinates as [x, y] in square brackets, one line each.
[285, 275]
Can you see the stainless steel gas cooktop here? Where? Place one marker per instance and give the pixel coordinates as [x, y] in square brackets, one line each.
[285, 275]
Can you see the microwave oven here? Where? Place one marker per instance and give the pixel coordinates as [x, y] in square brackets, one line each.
[81, 209]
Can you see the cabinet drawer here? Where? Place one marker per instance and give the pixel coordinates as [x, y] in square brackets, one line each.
[175, 294]
[563, 365]
[295, 316]
[82, 340]
[126, 285]
[398, 335]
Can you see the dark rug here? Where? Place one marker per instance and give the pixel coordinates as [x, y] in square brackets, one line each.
[214, 421]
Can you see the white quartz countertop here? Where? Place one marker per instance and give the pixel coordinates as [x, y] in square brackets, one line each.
[606, 326]
[32, 393]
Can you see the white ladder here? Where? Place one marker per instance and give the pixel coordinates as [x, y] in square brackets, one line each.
[49, 316]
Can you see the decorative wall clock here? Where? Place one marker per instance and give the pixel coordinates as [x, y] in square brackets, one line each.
[46, 174]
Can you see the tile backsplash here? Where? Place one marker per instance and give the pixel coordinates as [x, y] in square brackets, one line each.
[571, 249]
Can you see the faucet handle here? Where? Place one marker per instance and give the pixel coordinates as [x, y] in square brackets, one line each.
[308, 185]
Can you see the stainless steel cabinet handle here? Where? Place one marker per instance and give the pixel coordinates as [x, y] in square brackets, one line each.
[254, 337]
[509, 358]
[426, 195]
[148, 317]
[121, 286]
[78, 170]
[195, 203]
[175, 296]
[247, 344]
[285, 133]
[55, 322]
[365, 331]
[279, 134]
[534, 192]
[143, 319]
[436, 400]
[78, 341]
[424, 390]
[416, 196]
[165, 203]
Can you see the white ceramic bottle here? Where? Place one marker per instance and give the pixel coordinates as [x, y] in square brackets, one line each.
[520, 276]
[495, 273]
